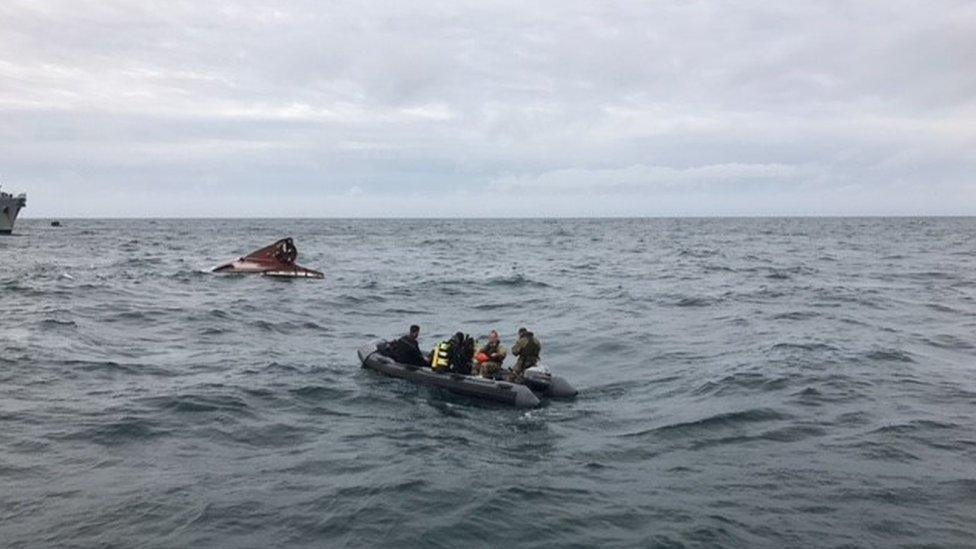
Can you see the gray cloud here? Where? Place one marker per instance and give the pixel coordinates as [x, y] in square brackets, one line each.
[552, 108]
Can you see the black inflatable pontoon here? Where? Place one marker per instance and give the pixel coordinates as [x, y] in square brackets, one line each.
[498, 391]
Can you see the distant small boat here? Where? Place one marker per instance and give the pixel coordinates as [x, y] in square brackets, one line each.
[55, 223]
[277, 260]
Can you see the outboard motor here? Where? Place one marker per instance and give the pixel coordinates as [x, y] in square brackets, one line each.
[538, 378]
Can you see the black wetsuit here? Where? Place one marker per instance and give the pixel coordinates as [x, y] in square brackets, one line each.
[461, 355]
[406, 351]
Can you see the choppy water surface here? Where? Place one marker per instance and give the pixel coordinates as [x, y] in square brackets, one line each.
[763, 382]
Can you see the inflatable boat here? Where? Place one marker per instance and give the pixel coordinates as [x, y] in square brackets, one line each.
[515, 394]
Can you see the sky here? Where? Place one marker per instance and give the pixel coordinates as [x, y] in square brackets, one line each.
[488, 109]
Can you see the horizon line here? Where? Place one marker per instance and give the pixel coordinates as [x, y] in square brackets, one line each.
[542, 218]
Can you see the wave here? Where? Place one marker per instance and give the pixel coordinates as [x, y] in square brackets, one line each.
[925, 275]
[219, 314]
[921, 425]
[495, 306]
[943, 308]
[349, 299]
[612, 347]
[698, 253]
[609, 390]
[890, 355]
[962, 490]
[787, 273]
[288, 327]
[695, 301]
[438, 242]
[742, 381]
[516, 281]
[404, 311]
[717, 421]
[318, 392]
[278, 366]
[793, 433]
[56, 323]
[274, 435]
[113, 367]
[948, 341]
[806, 347]
[195, 403]
[324, 411]
[127, 430]
[796, 315]
[880, 451]
[145, 315]
[790, 434]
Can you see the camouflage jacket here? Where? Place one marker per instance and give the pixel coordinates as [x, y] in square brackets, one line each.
[527, 350]
[501, 351]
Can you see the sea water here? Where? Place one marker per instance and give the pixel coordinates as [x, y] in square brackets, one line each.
[743, 383]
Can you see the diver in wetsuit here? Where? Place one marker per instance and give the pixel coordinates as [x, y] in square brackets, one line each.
[462, 353]
[406, 350]
[453, 355]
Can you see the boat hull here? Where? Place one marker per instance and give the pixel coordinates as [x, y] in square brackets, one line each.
[276, 260]
[242, 266]
[10, 207]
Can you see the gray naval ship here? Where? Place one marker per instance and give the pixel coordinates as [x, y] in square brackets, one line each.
[10, 206]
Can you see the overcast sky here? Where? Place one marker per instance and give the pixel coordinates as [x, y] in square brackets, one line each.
[321, 109]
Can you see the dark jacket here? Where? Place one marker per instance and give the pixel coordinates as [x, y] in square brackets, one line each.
[406, 351]
[462, 353]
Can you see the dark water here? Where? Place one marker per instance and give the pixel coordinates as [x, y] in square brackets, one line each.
[764, 382]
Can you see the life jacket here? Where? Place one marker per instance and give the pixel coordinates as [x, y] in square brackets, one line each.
[440, 359]
[490, 349]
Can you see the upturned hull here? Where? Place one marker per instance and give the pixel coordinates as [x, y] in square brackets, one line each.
[277, 260]
[242, 266]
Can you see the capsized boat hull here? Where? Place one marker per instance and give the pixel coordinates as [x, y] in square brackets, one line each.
[242, 266]
[498, 391]
[277, 260]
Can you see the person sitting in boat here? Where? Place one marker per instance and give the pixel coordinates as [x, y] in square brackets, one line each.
[490, 356]
[462, 354]
[453, 355]
[406, 350]
[527, 349]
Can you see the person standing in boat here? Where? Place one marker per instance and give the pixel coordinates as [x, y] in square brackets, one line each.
[493, 354]
[527, 349]
[406, 350]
